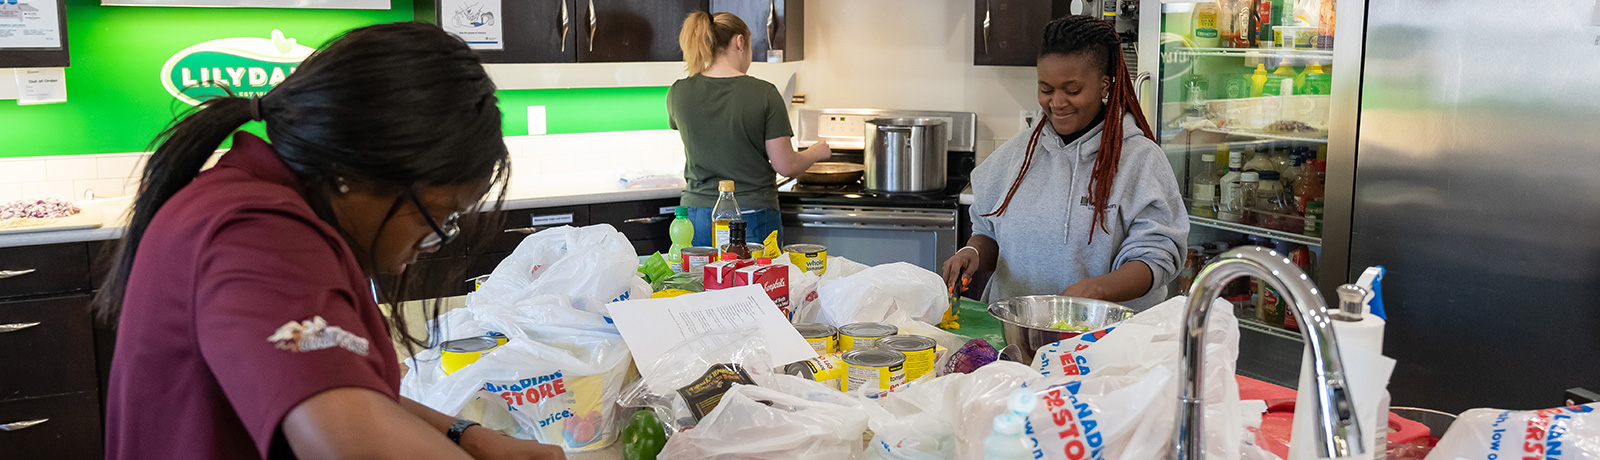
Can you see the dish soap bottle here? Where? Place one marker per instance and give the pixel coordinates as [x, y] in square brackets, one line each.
[682, 233]
[724, 212]
[1008, 441]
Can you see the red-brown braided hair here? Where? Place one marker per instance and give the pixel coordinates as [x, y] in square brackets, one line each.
[1074, 35]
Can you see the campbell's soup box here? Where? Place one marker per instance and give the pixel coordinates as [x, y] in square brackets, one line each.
[719, 274]
[568, 411]
[773, 278]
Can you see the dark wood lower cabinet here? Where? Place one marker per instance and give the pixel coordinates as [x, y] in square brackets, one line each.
[63, 427]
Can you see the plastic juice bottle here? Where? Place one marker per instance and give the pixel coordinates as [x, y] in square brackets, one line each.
[736, 242]
[1244, 201]
[1314, 81]
[682, 233]
[1274, 85]
[1325, 16]
[1205, 25]
[1203, 193]
[722, 214]
[1310, 187]
[1258, 81]
[1230, 193]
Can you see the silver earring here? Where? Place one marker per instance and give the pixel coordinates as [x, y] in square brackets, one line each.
[342, 187]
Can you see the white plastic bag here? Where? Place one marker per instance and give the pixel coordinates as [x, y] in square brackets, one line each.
[590, 266]
[693, 367]
[766, 423]
[1561, 433]
[556, 377]
[877, 291]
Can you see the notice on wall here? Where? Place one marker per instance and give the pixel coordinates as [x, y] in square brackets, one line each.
[41, 86]
[30, 24]
[476, 21]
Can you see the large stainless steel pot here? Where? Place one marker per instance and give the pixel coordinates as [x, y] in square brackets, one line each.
[906, 155]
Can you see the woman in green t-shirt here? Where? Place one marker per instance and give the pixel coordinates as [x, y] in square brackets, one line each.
[734, 127]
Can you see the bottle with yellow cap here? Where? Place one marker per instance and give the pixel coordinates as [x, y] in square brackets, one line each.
[724, 212]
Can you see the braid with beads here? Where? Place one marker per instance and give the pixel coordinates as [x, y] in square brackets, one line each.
[1098, 39]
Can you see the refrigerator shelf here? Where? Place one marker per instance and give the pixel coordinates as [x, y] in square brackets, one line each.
[1325, 56]
[1322, 136]
[1258, 326]
[1258, 231]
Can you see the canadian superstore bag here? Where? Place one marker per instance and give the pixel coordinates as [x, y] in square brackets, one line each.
[1560, 433]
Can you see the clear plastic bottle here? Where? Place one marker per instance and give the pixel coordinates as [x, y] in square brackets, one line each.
[1008, 440]
[1244, 201]
[1203, 190]
[1229, 196]
[724, 212]
[682, 233]
[1258, 161]
[1275, 208]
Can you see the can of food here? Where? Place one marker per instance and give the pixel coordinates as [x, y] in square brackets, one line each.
[813, 258]
[919, 353]
[864, 335]
[456, 354]
[873, 369]
[826, 369]
[695, 258]
[499, 339]
[756, 249]
[822, 337]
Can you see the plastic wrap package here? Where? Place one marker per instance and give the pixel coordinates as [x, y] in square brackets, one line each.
[556, 376]
[793, 418]
[1560, 433]
[590, 266]
[686, 384]
[1138, 352]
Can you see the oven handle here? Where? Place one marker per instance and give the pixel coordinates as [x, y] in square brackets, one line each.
[859, 220]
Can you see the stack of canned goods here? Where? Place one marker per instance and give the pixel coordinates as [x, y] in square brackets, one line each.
[871, 355]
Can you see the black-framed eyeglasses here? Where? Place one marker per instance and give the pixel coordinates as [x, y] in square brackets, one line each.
[442, 233]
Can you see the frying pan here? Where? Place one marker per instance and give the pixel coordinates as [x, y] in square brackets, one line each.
[832, 173]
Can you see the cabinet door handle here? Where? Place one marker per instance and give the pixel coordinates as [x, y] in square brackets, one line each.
[14, 426]
[566, 21]
[14, 327]
[15, 273]
[527, 230]
[986, 7]
[647, 220]
[593, 25]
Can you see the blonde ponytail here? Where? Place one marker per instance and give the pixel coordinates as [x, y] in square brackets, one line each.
[706, 35]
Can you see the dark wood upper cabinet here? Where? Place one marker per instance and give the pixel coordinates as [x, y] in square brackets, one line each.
[632, 30]
[1008, 32]
[775, 25]
[542, 31]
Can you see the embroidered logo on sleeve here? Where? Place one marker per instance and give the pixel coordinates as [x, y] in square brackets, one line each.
[315, 334]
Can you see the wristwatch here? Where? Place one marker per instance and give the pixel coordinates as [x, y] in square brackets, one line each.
[460, 426]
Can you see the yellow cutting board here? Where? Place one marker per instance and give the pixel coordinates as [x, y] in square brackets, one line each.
[89, 217]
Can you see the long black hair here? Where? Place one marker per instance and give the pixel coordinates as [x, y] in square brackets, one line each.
[1097, 40]
[399, 106]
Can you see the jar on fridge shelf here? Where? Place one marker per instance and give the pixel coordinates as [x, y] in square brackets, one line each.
[1274, 208]
[1229, 195]
[1203, 189]
[1243, 203]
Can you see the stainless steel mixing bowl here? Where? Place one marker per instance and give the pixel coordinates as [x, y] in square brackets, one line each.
[1025, 321]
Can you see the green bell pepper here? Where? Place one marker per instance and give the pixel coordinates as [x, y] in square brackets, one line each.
[644, 436]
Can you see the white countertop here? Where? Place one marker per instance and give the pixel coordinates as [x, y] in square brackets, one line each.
[522, 193]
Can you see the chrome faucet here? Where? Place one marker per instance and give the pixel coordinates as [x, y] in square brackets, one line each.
[1337, 433]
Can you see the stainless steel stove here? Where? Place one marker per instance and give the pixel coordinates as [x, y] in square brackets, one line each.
[876, 227]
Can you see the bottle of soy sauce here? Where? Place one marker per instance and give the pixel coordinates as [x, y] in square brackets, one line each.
[736, 241]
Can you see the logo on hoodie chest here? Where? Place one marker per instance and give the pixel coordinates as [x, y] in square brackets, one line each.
[1084, 201]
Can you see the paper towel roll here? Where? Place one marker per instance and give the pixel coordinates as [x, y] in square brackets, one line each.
[1366, 370]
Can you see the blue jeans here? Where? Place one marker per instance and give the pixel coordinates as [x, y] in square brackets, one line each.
[759, 222]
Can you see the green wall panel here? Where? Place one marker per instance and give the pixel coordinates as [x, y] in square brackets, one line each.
[586, 110]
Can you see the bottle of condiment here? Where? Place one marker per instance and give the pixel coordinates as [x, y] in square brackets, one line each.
[1244, 202]
[1203, 192]
[1258, 81]
[1264, 23]
[736, 243]
[1310, 186]
[1281, 82]
[1205, 25]
[725, 211]
[1229, 196]
[1258, 161]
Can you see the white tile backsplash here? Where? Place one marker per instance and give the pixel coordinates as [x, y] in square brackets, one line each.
[48, 189]
[119, 166]
[71, 169]
[103, 188]
[10, 192]
[19, 171]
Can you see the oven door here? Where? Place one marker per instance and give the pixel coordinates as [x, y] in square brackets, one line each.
[875, 235]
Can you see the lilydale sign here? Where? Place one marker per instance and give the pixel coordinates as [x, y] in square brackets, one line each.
[248, 65]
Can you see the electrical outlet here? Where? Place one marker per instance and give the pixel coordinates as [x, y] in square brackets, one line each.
[1029, 117]
[536, 121]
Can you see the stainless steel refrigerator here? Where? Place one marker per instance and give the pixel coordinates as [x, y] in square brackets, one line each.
[1463, 154]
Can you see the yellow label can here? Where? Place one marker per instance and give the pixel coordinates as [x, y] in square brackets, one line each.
[873, 369]
[864, 335]
[812, 258]
[828, 369]
[456, 354]
[919, 351]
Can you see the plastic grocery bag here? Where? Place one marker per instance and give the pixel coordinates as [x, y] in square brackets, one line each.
[590, 266]
[556, 377]
[1571, 432]
[1144, 352]
[876, 291]
[796, 419]
[686, 384]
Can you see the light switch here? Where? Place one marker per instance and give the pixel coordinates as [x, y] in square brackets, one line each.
[536, 121]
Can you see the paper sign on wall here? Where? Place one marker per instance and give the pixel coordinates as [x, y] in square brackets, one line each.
[476, 21]
[30, 24]
[41, 86]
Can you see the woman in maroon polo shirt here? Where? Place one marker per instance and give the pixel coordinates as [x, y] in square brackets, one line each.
[247, 327]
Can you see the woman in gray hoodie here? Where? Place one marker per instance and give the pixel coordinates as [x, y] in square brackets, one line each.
[1083, 204]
